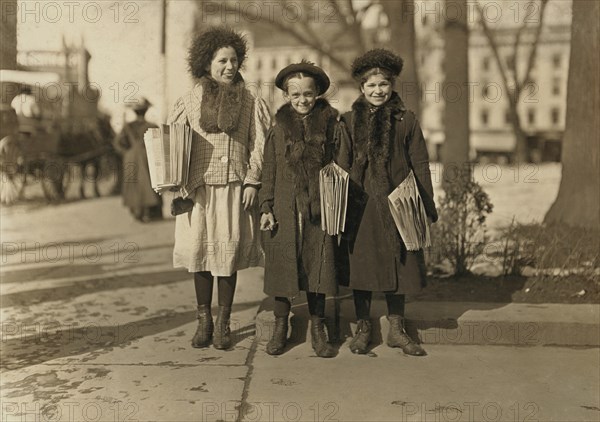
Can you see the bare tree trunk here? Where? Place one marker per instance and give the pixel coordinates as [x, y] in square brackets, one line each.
[577, 203]
[403, 41]
[521, 154]
[455, 153]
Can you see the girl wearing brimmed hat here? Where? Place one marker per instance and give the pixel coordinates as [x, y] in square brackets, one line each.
[386, 143]
[143, 203]
[299, 255]
[219, 235]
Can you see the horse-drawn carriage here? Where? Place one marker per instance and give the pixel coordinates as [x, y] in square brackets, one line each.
[53, 133]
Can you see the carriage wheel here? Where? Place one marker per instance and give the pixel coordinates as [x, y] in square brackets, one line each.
[12, 185]
[109, 174]
[12, 175]
[54, 180]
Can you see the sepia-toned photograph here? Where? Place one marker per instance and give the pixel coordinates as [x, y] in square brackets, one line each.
[300, 210]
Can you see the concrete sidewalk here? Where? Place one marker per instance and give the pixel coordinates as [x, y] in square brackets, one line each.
[518, 324]
[96, 326]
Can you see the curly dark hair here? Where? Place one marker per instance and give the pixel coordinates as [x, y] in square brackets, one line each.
[377, 58]
[205, 45]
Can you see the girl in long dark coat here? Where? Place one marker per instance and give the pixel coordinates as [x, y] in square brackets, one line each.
[386, 143]
[298, 254]
[143, 203]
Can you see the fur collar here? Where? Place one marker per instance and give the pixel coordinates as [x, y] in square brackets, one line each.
[373, 135]
[309, 145]
[221, 105]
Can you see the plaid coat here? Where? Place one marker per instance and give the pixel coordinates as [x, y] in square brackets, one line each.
[218, 158]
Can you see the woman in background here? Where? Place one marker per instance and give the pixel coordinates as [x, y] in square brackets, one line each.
[143, 202]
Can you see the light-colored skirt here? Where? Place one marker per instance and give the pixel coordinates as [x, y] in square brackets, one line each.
[218, 235]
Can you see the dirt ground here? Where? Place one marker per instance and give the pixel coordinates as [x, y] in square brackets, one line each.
[519, 289]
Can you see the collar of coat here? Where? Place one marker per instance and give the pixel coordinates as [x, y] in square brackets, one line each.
[221, 105]
[307, 149]
[372, 138]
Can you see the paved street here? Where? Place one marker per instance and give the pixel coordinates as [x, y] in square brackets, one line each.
[96, 327]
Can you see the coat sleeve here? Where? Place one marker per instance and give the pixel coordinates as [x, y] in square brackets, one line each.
[266, 195]
[260, 124]
[343, 143]
[177, 114]
[419, 158]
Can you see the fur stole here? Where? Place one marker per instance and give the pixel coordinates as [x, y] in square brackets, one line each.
[373, 134]
[221, 105]
[309, 146]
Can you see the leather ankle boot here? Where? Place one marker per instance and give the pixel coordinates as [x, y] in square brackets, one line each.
[222, 337]
[204, 332]
[277, 343]
[397, 337]
[362, 338]
[319, 338]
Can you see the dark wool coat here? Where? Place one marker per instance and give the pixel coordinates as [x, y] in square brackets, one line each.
[384, 144]
[298, 256]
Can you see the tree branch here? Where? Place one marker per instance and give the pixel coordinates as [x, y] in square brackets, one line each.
[319, 46]
[494, 46]
[533, 51]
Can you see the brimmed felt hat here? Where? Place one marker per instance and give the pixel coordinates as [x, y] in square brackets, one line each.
[308, 68]
[377, 58]
[141, 103]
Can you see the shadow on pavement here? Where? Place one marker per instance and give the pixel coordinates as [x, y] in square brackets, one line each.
[78, 288]
[95, 340]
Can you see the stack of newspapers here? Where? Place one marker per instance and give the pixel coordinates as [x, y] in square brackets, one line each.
[409, 215]
[333, 185]
[168, 149]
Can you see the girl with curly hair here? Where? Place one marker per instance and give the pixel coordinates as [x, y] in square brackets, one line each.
[386, 143]
[218, 236]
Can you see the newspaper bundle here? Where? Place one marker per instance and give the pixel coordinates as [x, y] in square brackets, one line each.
[409, 214]
[333, 185]
[168, 150]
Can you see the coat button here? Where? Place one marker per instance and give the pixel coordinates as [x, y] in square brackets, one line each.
[224, 159]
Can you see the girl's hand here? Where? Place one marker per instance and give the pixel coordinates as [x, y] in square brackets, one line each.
[249, 197]
[267, 222]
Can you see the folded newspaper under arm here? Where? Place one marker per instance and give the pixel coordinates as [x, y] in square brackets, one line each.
[333, 186]
[168, 150]
[409, 214]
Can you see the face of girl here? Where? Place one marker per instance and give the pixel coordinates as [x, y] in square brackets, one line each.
[224, 65]
[377, 90]
[302, 94]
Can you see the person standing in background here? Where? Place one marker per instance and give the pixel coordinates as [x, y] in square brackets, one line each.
[143, 202]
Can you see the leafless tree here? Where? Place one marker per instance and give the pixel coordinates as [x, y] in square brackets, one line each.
[516, 83]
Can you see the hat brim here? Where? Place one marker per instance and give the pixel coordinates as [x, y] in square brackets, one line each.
[321, 79]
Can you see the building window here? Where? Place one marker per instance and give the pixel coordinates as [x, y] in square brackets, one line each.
[556, 60]
[274, 63]
[531, 116]
[556, 87]
[507, 117]
[555, 115]
[258, 63]
[485, 63]
[485, 117]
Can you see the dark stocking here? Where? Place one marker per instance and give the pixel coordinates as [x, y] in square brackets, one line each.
[282, 307]
[203, 282]
[362, 304]
[316, 304]
[227, 289]
[395, 304]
